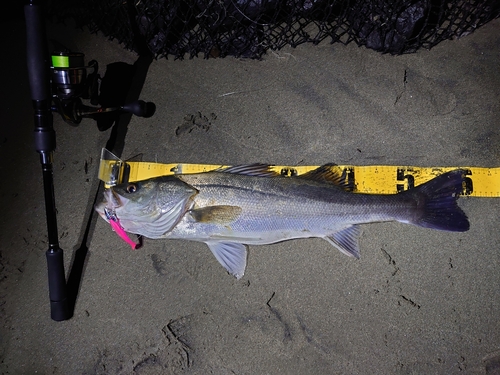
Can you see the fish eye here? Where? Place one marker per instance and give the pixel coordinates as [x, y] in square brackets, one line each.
[132, 188]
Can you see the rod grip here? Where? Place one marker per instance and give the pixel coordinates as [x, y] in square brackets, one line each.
[37, 54]
[59, 306]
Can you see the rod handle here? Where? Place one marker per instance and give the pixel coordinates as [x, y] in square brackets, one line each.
[38, 65]
[59, 306]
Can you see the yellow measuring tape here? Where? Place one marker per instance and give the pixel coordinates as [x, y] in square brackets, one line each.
[372, 179]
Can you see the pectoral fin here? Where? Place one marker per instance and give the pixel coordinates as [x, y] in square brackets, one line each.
[232, 255]
[216, 214]
[346, 240]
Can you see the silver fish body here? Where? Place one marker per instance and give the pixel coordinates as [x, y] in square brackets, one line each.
[249, 205]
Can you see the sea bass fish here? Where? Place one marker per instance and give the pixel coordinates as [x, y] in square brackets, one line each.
[245, 205]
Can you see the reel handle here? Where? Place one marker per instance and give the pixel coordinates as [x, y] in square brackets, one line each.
[140, 108]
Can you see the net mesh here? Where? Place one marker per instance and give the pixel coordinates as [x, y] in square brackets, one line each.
[249, 28]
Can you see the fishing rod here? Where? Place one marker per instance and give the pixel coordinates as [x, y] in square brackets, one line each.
[45, 144]
[58, 86]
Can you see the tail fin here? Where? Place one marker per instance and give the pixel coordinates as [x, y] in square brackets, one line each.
[437, 200]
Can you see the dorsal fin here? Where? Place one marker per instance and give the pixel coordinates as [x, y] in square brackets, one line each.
[257, 169]
[330, 173]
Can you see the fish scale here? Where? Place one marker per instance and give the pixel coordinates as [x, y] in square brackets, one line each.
[268, 207]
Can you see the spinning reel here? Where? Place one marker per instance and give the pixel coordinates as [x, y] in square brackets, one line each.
[72, 81]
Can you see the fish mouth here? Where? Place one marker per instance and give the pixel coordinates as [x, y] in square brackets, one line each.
[107, 208]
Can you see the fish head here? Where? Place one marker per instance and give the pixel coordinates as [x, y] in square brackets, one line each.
[150, 208]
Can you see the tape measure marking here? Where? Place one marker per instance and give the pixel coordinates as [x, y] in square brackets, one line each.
[374, 179]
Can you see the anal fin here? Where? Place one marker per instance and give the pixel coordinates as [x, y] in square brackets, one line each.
[346, 240]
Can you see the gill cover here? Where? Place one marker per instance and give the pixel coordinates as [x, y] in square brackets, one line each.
[152, 207]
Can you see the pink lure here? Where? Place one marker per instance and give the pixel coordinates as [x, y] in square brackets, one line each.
[119, 230]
